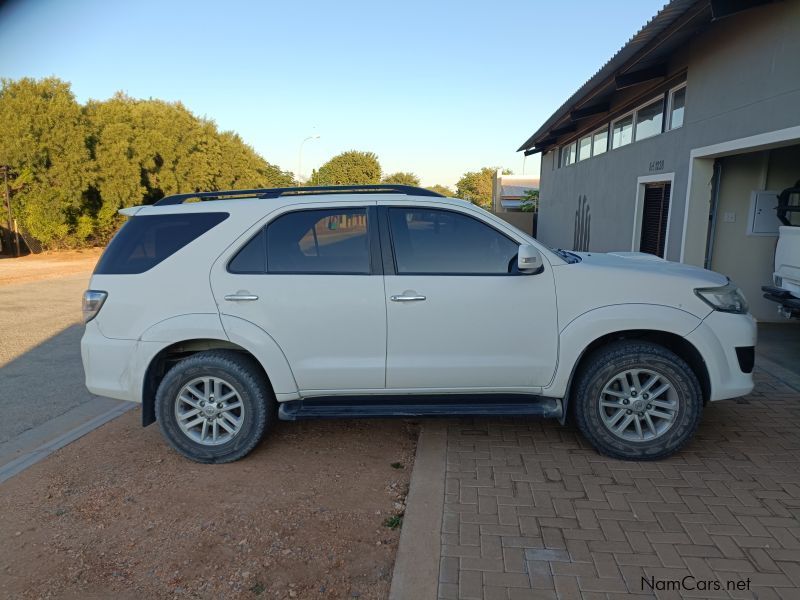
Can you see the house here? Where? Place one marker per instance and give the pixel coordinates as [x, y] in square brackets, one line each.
[679, 144]
[509, 191]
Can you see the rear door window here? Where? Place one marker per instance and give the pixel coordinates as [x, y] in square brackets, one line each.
[252, 258]
[330, 241]
[145, 241]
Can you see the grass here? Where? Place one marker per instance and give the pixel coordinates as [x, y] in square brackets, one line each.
[258, 588]
[398, 465]
[393, 522]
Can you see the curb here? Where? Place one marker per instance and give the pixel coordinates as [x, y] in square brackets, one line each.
[28, 459]
[416, 569]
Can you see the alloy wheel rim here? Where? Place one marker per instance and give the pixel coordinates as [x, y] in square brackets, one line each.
[638, 405]
[209, 411]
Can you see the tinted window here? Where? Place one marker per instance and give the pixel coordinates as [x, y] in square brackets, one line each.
[252, 258]
[145, 241]
[319, 241]
[445, 242]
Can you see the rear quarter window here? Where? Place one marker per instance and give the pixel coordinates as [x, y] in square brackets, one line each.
[145, 241]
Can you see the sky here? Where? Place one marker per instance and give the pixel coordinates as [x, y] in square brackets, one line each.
[438, 88]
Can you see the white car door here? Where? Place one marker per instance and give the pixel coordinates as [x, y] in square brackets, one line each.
[311, 278]
[460, 316]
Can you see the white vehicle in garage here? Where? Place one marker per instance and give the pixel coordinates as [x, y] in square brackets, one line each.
[786, 276]
[224, 311]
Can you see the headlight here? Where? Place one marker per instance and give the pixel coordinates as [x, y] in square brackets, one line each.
[726, 298]
[92, 303]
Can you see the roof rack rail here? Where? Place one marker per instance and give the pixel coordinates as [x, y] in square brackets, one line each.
[386, 188]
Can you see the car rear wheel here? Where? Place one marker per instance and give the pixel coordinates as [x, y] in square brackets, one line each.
[637, 400]
[214, 406]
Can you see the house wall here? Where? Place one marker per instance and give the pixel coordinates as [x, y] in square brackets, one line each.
[520, 220]
[743, 76]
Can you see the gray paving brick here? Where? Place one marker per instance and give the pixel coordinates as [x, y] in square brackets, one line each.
[533, 512]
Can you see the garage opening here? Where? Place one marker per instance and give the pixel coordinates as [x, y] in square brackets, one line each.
[741, 241]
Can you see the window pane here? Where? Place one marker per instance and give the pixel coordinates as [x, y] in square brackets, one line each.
[319, 241]
[600, 142]
[145, 241]
[445, 242]
[252, 258]
[678, 104]
[649, 120]
[622, 133]
[568, 155]
[585, 148]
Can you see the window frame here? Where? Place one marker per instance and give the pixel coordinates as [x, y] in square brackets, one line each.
[590, 137]
[659, 98]
[373, 243]
[390, 255]
[607, 130]
[568, 148]
[632, 115]
[670, 95]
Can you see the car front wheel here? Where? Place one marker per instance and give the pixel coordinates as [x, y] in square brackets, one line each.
[637, 400]
[214, 406]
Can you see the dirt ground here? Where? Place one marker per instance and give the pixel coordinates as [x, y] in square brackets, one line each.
[45, 266]
[119, 514]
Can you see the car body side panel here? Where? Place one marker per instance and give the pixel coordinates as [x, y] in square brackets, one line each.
[604, 280]
[178, 285]
[182, 328]
[266, 350]
[594, 324]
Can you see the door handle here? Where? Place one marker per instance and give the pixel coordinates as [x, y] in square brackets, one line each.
[407, 298]
[241, 297]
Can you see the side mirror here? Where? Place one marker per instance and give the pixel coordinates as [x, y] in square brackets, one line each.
[529, 260]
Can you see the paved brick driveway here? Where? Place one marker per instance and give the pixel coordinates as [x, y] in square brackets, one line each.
[531, 511]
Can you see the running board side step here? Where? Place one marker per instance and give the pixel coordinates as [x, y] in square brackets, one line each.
[450, 405]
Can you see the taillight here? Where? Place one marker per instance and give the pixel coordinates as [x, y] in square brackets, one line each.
[92, 303]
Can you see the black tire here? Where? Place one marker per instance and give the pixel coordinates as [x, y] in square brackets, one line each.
[602, 366]
[245, 377]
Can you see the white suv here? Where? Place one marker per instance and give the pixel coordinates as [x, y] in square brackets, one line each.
[223, 311]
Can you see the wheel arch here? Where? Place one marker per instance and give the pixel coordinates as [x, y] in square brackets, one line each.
[170, 355]
[669, 340]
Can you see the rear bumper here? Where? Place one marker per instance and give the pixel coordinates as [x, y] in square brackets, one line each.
[717, 338]
[109, 365]
[788, 302]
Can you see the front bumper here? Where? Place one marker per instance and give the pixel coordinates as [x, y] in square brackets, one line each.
[717, 338]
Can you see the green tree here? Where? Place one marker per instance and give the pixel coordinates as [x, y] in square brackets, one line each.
[442, 189]
[43, 133]
[476, 186]
[530, 202]
[77, 166]
[145, 149]
[349, 168]
[401, 178]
